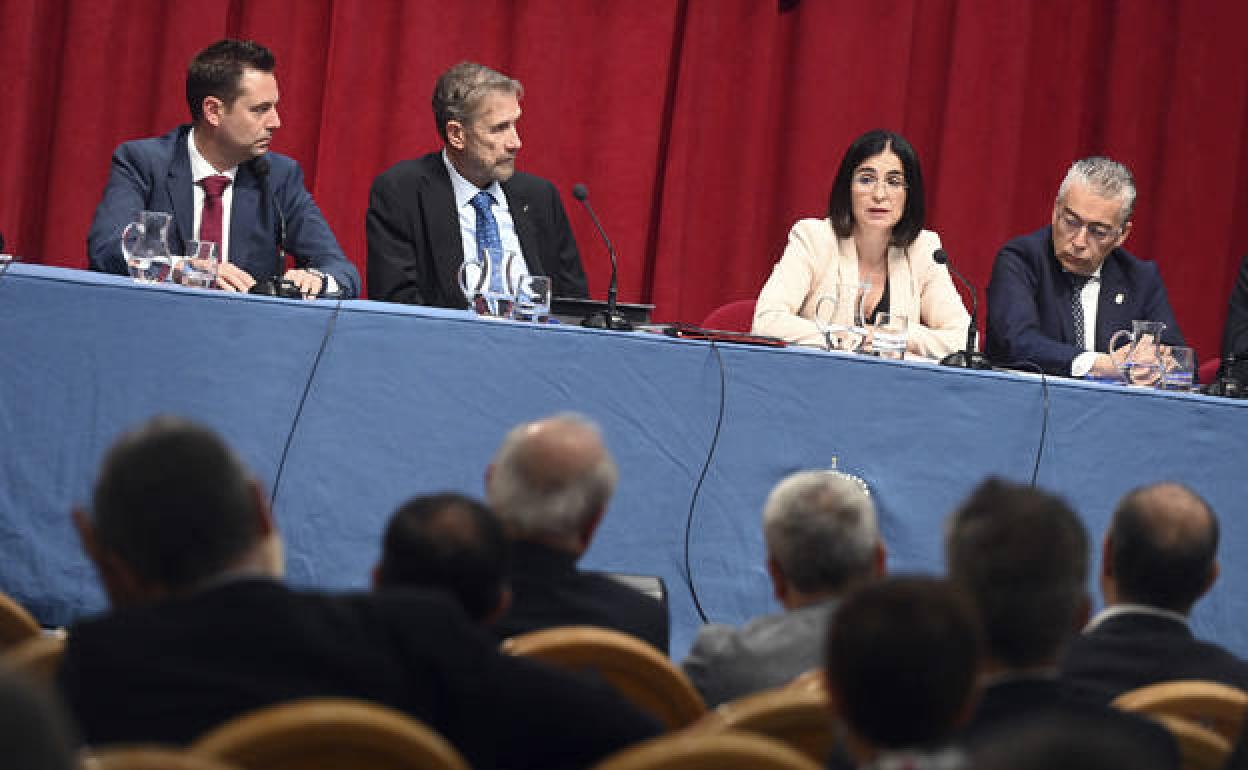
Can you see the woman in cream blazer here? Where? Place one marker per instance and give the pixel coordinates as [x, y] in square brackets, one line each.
[873, 230]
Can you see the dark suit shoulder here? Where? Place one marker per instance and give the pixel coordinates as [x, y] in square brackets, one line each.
[413, 171]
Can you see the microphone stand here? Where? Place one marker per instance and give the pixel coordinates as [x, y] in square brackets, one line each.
[609, 318]
[968, 358]
[1229, 384]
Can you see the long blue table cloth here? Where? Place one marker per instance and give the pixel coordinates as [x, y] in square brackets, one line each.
[407, 400]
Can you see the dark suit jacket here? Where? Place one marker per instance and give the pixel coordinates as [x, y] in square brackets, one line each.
[155, 175]
[1024, 699]
[415, 249]
[1136, 649]
[1235, 337]
[168, 672]
[1029, 298]
[548, 590]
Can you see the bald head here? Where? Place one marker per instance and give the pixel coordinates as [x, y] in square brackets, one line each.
[1162, 547]
[551, 478]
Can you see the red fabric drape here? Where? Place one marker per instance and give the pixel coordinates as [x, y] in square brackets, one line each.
[703, 128]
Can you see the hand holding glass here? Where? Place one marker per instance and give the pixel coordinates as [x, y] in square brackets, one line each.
[1178, 368]
[198, 269]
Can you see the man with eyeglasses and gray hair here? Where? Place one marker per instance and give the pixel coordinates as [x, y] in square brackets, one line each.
[1057, 295]
[822, 539]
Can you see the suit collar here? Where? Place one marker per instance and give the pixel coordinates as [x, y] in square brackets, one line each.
[178, 186]
[1123, 616]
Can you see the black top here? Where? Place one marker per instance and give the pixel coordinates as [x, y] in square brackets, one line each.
[167, 672]
[549, 590]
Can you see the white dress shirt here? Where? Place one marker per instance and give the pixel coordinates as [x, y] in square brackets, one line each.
[201, 168]
[1089, 297]
[465, 191]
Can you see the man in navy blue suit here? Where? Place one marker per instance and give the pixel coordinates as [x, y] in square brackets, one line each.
[218, 179]
[1057, 295]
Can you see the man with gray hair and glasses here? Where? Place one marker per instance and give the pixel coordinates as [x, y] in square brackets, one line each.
[550, 483]
[428, 215]
[821, 539]
[1057, 295]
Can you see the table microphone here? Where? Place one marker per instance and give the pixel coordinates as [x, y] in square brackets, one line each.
[609, 318]
[1229, 383]
[968, 358]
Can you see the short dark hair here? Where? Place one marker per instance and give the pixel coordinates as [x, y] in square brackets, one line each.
[447, 541]
[902, 656]
[174, 503]
[218, 71]
[1155, 560]
[1021, 555]
[840, 201]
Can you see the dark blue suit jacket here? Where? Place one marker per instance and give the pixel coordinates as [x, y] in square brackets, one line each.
[1029, 316]
[155, 175]
[414, 245]
[1235, 337]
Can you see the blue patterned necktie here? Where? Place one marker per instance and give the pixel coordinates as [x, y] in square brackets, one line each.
[1077, 283]
[488, 238]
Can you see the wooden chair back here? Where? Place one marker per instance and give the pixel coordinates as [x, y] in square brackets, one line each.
[16, 624]
[150, 758]
[798, 718]
[714, 751]
[1199, 747]
[1216, 706]
[642, 674]
[328, 734]
[39, 657]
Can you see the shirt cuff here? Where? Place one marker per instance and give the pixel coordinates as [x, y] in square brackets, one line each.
[1083, 363]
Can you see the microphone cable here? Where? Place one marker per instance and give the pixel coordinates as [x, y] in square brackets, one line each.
[303, 398]
[697, 489]
[1044, 421]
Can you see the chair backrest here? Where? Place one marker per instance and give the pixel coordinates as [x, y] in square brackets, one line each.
[715, 751]
[151, 758]
[328, 734]
[798, 718]
[1216, 706]
[16, 624]
[1199, 747]
[736, 316]
[810, 681]
[39, 657]
[635, 668]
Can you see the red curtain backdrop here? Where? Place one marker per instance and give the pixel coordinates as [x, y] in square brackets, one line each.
[703, 128]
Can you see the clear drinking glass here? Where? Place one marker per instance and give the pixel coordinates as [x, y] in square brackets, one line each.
[532, 298]
[144, 243]
[888, 336]
[198, 269]
[1178, 368]
[500, 286]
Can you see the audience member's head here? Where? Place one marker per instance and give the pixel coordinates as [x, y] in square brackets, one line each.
[174, 508]
[34, 729]
[902, 659]
[551, 480]
[821, 536]
[451, 542]
[1021, 556]
[1065, 742]
[1161, 548]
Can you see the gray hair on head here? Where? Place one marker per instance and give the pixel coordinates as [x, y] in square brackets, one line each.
[551, 477]
[1104, 177]
[820, 528]
[459, 91]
